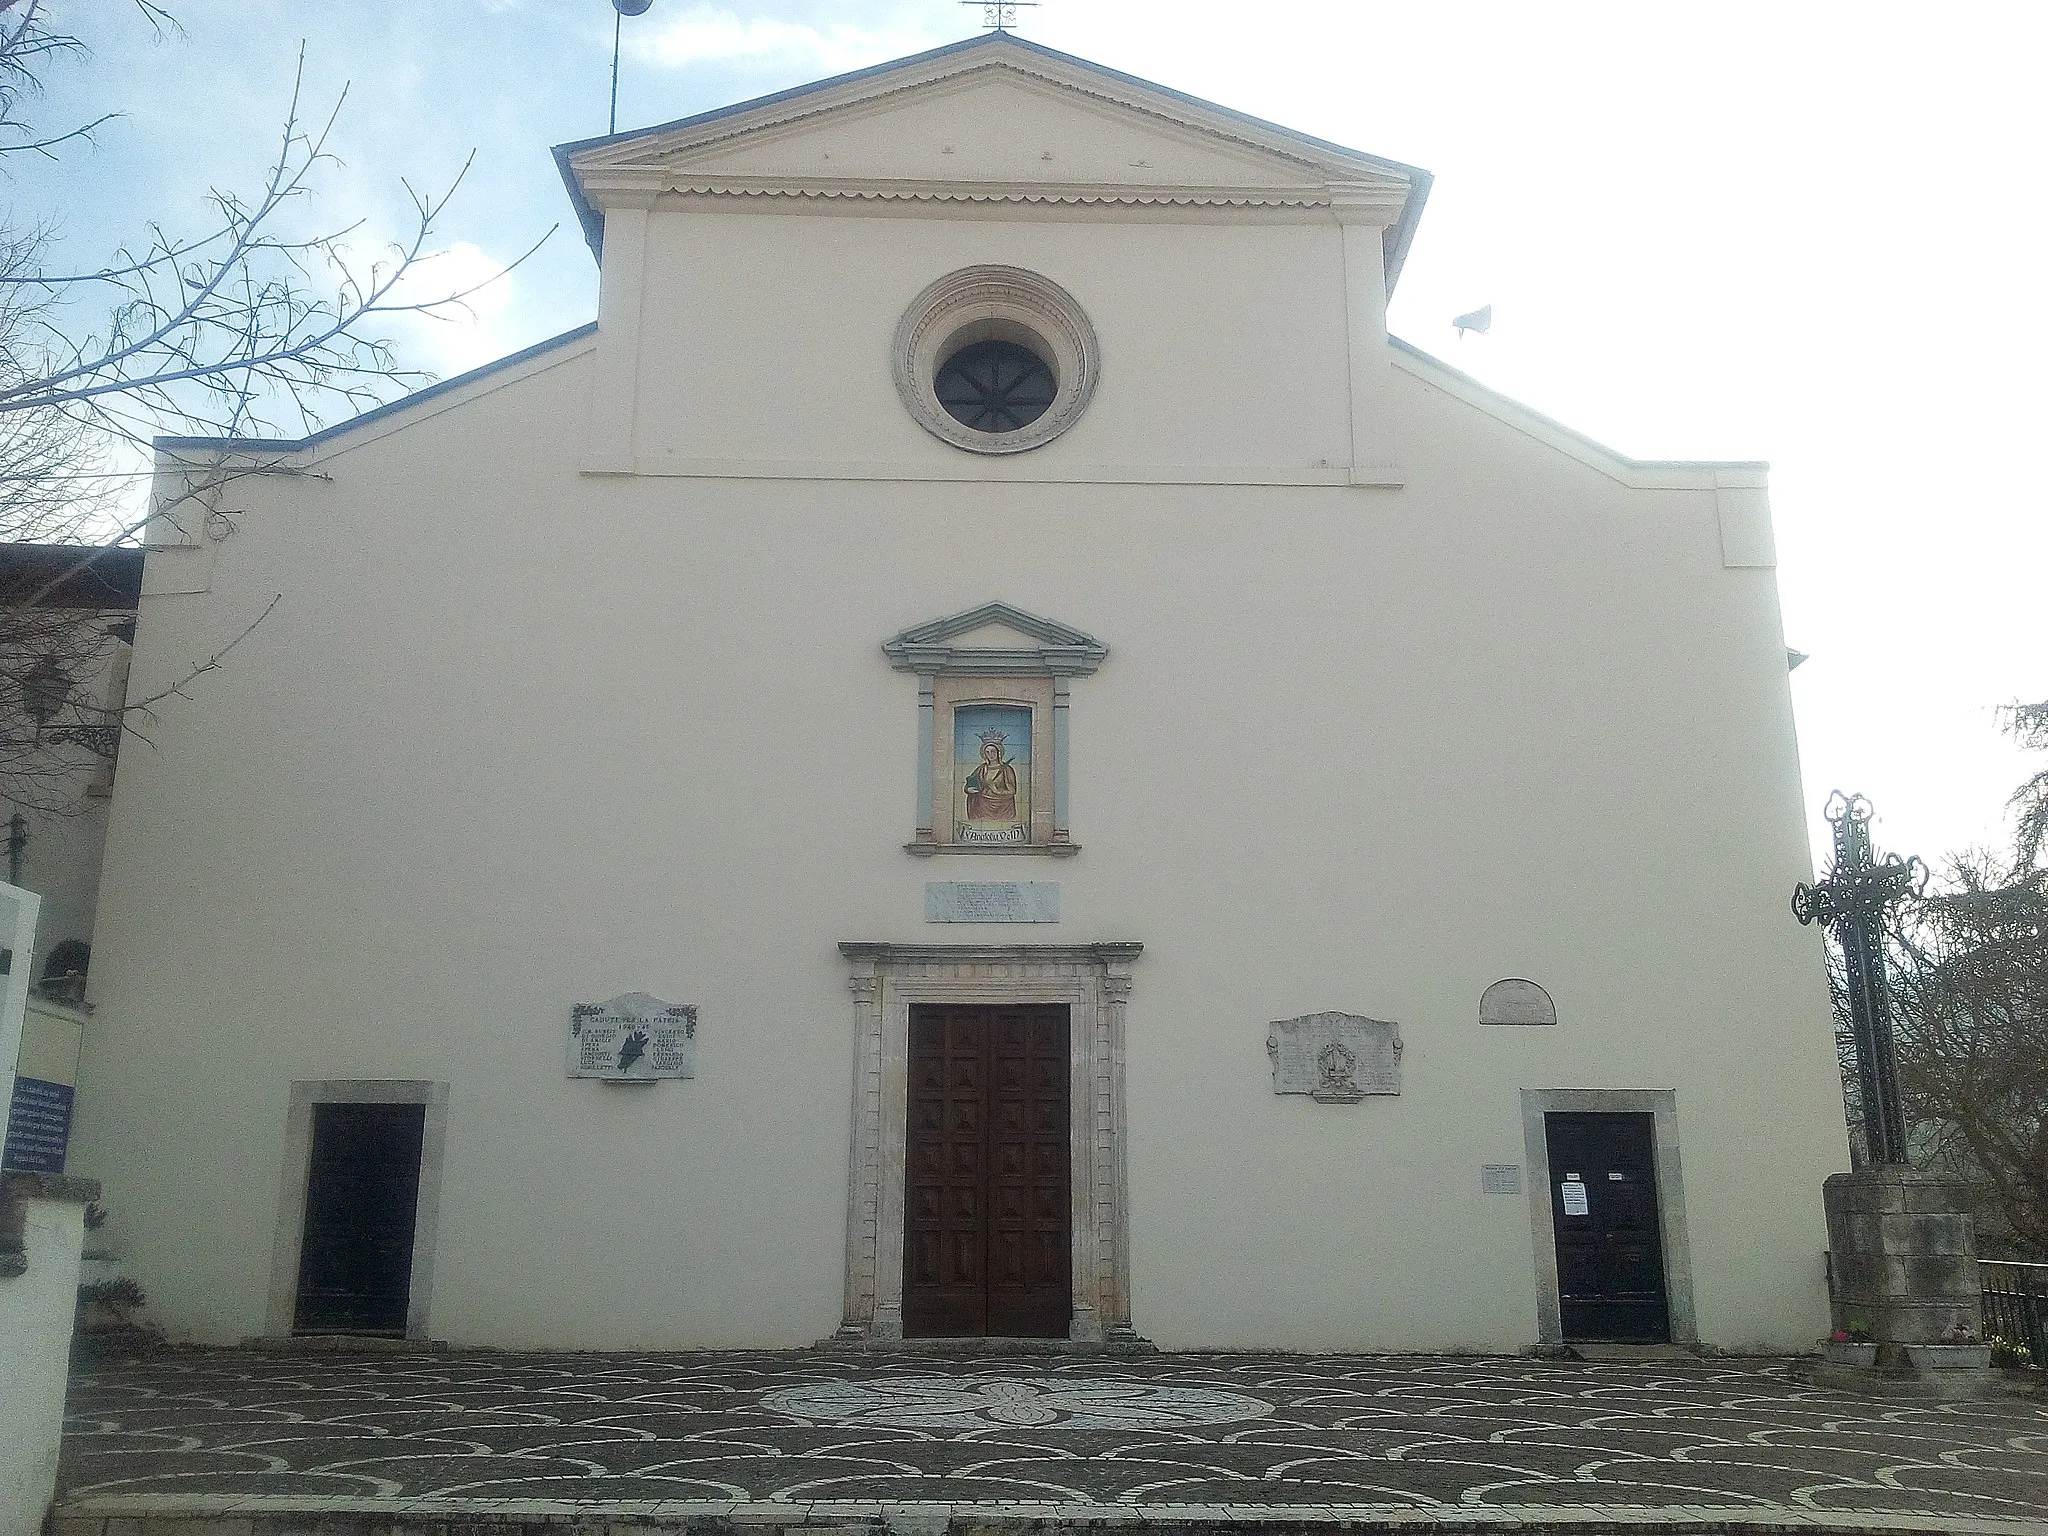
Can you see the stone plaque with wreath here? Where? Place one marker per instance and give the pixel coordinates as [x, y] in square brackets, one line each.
[1335, 1058]
[634, 1038]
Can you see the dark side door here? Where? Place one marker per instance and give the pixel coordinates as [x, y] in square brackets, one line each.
[362, 1193]
[986, 1216]
[1603, 1206]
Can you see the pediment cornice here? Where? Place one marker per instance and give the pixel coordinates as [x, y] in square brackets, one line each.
[644, 187]
[930, 647]
[1247, 163]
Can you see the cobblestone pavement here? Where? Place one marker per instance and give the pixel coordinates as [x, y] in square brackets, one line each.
[1402, 1433]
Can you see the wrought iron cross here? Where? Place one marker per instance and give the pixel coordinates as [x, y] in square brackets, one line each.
[1001, 15]
[1852, 901]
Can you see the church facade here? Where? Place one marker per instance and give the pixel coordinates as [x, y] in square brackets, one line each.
[985, 755]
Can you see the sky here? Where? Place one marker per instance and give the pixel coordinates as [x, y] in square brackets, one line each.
[1804, 231]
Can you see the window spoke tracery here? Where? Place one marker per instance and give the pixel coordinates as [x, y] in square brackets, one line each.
[995, 386]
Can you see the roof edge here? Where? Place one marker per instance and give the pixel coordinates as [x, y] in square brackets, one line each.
[376, 413]
[1549, 424]
[98, 577]
[1399, 235]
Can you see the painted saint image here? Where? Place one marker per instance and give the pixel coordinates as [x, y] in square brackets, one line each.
[992, 784]
[992, 774]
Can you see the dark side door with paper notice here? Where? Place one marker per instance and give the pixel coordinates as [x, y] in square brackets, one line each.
[1603, 1206]
[362, 1197]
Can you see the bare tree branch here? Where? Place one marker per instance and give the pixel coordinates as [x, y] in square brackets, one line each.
[144, 708]
[262, 326]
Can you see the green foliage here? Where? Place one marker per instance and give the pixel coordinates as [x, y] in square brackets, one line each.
[2009, 1352]
[119, 1296]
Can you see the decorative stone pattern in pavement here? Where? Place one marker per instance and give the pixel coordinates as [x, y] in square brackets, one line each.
[973, 1402]
[1422, 1435]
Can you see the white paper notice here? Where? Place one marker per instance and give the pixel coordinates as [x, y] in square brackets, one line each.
[1574, 1197]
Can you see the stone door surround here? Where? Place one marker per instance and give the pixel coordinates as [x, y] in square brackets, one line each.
[1661, 1105]
[291, 1197]
[1094, 981]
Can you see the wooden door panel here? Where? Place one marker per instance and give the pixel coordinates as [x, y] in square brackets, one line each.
[1610, 1254]
[921, 1262]
[362, 1192]
[986, 1202]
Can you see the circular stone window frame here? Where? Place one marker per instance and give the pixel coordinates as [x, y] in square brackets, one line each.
[997, 303]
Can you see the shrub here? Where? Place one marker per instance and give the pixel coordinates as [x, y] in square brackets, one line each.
[118, 1296]
[2009, 1352]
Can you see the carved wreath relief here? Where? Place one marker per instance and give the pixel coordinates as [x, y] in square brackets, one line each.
[1335, 1058]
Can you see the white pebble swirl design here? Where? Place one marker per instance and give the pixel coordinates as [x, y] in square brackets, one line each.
[1031, 1402]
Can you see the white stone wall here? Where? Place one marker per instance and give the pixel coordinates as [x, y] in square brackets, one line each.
[519, 736]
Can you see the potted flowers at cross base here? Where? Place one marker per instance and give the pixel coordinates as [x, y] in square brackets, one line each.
[1850, 1346]
[2010, 1354]
[1959, 1349]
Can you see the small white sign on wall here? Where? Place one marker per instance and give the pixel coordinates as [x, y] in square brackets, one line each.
[1500, 1178]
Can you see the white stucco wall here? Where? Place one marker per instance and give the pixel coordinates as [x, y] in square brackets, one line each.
[62, 865]
[36, 1312]
[1265, 386]
[519, 736]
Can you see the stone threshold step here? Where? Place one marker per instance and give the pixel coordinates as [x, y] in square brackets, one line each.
[278, 1515]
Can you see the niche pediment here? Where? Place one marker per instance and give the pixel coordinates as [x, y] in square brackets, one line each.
[995, 640]
[992, 728]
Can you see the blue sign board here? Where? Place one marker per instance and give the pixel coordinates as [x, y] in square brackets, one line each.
[38, 1126]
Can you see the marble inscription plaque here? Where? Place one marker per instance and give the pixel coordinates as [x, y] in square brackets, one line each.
[991, 901]
[634, 1038]
[1335, 1058]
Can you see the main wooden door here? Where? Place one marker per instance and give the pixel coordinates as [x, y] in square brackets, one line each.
[362, 1194]
[1603, 1205]
[986, 1214]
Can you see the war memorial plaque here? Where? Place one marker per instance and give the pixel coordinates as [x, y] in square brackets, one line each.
[991, 901]
[633, 1038]
[1335, 1058]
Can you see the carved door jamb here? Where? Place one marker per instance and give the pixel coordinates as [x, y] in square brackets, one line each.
[1094, 981]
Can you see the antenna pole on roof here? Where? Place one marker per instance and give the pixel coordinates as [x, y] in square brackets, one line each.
[624, 8]
[1001, 15]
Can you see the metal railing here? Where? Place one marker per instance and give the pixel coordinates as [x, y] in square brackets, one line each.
[2016, 1304]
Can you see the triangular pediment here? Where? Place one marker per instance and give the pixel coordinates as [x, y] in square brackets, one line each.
[995, 639]
[994, 124]
[994, 117]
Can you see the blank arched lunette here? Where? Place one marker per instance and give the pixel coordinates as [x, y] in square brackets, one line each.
[1516, 1001]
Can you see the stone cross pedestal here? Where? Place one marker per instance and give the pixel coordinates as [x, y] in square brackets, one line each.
[1905, 1257]
[1901, 1241]
[1905, 1269]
